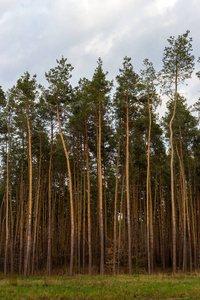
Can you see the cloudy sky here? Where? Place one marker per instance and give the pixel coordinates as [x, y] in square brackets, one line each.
[34, 33]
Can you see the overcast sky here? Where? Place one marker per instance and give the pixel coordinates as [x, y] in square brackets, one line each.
[34, 33]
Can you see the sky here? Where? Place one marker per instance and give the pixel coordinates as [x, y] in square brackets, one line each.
[34, 33]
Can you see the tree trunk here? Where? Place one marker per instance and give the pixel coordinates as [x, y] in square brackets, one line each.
[149, 189]
[172, 179]
[7, 198]
[79, 209]
[127, 187]
[84, 207]
[88, 202]
[100, 197]
[36, 206]
[11, 232]
[21, 210]
[192, 215]
[184, 205]
[105, 208]
[115, 203]
[28, 247]
[120, 222]
[49, 205]
[162, 222]
[71, 194]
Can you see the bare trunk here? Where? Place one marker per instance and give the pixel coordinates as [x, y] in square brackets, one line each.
[193, 218]
[71, 195]
[49, 206]
[79, 208]
[127, 187]
[84, 208]
[149, 220]
[184, 206]
[7, 198]
[172, 180]
[11, 232]
[100, 196]
[115, 203]
[28, 247]
[88, 203]
[21, 210]
[120, 222]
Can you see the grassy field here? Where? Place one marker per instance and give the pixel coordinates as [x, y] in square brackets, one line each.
[115, 287]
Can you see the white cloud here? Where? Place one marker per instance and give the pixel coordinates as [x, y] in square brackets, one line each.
[163, 5]
[34, 33]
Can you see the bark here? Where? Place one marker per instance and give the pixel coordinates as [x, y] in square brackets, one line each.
[172, 179]
[78, 212]
[115, 203]
[192, 215]
[11, 231]
[84, 207]
[7, 198]
[29, 221]
[71, 195]
[88, 202]
[184, 206]
[49, 250]
[127, 187]
[162, 222]
[105, 206]
[100, 196]
[21, 210]
[120, 222]
[2, 222]
[148, 189]
[36, 206]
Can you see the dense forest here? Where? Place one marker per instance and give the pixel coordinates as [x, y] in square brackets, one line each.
[92, 181]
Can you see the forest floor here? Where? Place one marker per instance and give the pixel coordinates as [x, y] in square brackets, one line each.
[159, 286]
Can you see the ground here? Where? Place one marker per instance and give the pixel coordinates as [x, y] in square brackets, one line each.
[158, 286]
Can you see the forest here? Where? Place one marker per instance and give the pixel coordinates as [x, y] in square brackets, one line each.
[92, 181]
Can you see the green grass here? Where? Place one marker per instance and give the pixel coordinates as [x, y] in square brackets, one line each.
[116, 287]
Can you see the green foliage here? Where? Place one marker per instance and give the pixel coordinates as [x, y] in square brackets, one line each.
[150, 81]
[25, 91]
[2, 98]
[183, 121]
[128, 84]
[99, 85]
[58, 79]
[198, 73]
[79, 109]
[178, 62]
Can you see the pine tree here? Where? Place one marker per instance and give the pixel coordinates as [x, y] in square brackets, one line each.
[178, 65]
[127, 91]
[60, 89]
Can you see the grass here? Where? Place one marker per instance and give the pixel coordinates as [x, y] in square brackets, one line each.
[98, 287]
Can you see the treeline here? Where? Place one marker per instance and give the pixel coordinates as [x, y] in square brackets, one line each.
[91, 180]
